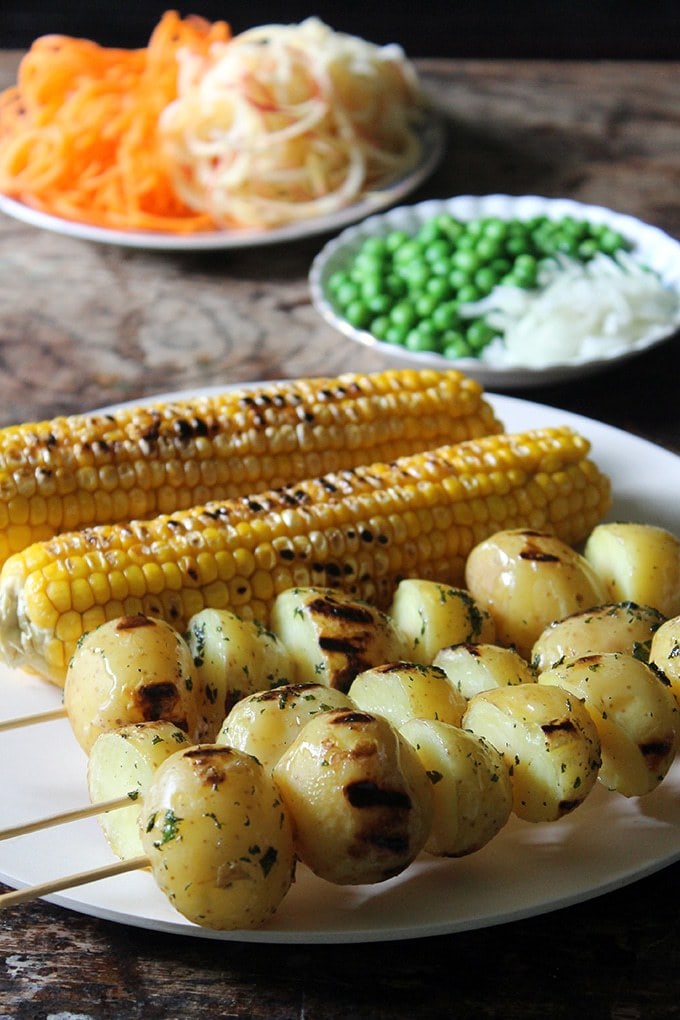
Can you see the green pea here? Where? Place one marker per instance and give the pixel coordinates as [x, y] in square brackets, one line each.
[524, 270]
[495, 229]
[445, 316]
[395, 239]
[371, 285]
[500, 266]
[466, 242]
[368, 264]
[442, 267]
[516, 245]
[403, 314]
[468, 294]
[394, 285]
[379, 304]
[610, 241]
[417, 276]
[379, 326]
[425, 304]
[485, 279]
[395, 335]
[417, 340]
[439, 286]
[587, 249]
[479, 334]
[475, 227]
[376, 246]
[459, 278]
[488, 248]
[357, 314]
[436, 250]
[346, 293]
[467, 260]
[336, 280]
[407, 253]
[449, 227]
[567, 245]
[428, 233]
[454, 345]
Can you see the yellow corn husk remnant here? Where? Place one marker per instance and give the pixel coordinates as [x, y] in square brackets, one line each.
[361, 530]
[137, 462]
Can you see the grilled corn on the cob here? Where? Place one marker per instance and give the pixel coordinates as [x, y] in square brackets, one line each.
[361, 530]
[137, 462]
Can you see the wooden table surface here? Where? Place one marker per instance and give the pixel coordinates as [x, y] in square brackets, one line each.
[83, 325]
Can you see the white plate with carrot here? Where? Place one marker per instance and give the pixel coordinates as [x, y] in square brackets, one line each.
[205, 140]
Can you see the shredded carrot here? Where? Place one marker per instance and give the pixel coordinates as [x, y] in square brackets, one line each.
[79, 131]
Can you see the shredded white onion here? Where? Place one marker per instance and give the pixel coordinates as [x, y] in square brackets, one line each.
[580, 311]
[288, 122]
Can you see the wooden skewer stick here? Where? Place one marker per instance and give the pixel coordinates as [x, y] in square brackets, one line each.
[34, 892]
[31, 720]
[66, 816]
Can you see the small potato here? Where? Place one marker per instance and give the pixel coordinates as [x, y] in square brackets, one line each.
[526, 579]
[232, 658]
[402, 690]
[332, 636]
[475, 668]
[130, 669]
[637, 563]
[432, 616]
[265, 724]
[634, 712]
[664, 654]
[123, 763]
[361, 802]
[618, 627]
[549, 742]
[218, 837]
[470, 782]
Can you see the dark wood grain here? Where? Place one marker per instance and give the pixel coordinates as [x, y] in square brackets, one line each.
[82, 325]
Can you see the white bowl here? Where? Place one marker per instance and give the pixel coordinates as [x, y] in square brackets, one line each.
[651, 246]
